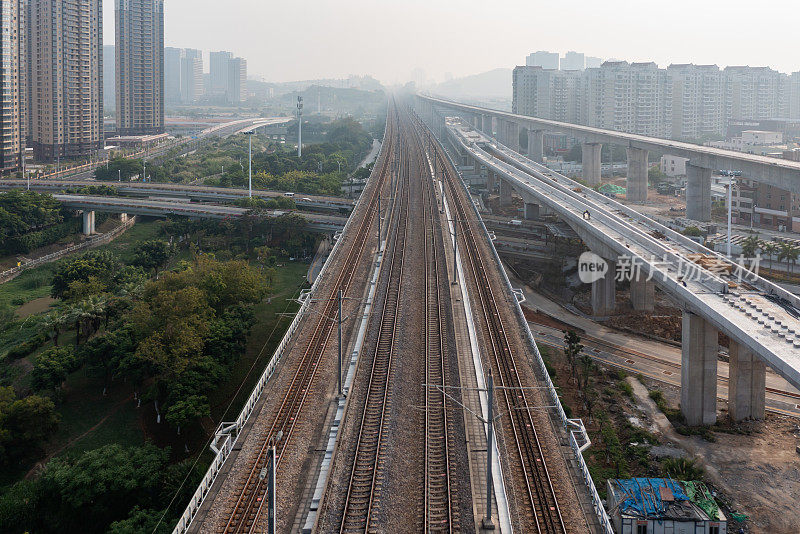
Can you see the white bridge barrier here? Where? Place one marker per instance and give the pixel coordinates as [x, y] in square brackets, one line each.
[12, 273]
[228, 432]
[578, 437]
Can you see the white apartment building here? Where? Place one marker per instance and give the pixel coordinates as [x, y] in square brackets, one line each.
[697, 104]
[544, 59]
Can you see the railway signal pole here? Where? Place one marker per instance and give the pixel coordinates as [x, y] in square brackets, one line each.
[487, 522]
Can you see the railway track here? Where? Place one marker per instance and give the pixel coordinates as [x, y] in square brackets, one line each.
[539, 503]
[366, 476]
[439, 509]
[250, 495]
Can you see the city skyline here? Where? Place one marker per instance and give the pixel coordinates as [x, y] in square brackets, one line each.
[355, 43]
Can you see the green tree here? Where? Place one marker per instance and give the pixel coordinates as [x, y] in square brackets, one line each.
[141, 522]
[187, 410]
[750, 245]
[572, 348]
[52, 367]
[24, 424]
[152, 254]
[102, 265]
[788, 251]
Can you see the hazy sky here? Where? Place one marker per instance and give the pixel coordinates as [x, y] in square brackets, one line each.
[302, 39]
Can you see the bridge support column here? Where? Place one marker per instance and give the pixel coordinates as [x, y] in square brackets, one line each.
[491, 178]
[536, 145]
[505, 193]
[698, 193]
[643, 293]
[592, 164]
[88, 222]
[487, 125]
[604, 291]
[637, 175]
[513, 136]
[747, 384]
[531, 211]
[699, 346]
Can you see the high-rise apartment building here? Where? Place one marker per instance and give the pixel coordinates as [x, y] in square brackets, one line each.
[140, 66]
[219, 71]
[172, 75]
[191, 75]
[794, 95]
[546, 60]
[12, 88]
[65, 86]
[751, 93]
[593, 62]
[697, 103]
[237, 80]
[573, 61]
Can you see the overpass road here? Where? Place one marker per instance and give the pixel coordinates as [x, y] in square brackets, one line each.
[760, 318]
[160, 208]
[186, 191]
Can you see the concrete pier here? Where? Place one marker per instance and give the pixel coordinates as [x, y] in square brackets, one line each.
[643, 294]
[698, 193]
[505, 193]
[513, 136]
[491, 179]
[536, 145]
[487, 125]
[604, 292]
[592, 164]
[88, 222]
[747, 384]
[531, 211]
[501, 132]
[700, 345]
[637, 175]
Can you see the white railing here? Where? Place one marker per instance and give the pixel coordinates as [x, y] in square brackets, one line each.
[12, 273]
[574, 427]
[229, 432]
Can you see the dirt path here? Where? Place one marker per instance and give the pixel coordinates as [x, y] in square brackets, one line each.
[759, 473]
[40, 464]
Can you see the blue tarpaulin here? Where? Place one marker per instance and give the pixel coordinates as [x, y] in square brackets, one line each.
[642, 496]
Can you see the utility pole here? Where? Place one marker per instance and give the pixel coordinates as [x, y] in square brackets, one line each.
[488, 524]
[379, 220]
[455, 251]
[339, 374]
[299, 126]
[730, 210]
[250, 158]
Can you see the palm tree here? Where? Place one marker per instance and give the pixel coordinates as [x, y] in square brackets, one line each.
[789, 252]
[769, 248]
[53, 322]
[749, 246]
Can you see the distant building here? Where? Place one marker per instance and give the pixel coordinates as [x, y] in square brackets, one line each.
[12, 91]
[172, 75]
[219, 72]
[546, 60]
[663, 506]
[65, 44]
[573, 61]
[191, 76]
[673, 165]
[237, 80]
[697, 102]
[794, 95]
[593, 62]
[140, 66]
[760, 137]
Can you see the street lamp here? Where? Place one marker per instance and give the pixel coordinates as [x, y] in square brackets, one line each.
[249, 134]
[299, 126]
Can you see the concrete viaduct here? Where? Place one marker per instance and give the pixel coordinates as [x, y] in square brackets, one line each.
[761, 319]
[506, 128]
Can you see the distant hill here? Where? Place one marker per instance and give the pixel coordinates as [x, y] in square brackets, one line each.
[494, 84]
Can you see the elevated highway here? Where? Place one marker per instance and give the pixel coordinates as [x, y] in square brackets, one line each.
[760, 318]
[506, 127]
[159, 208]
[193, 192]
